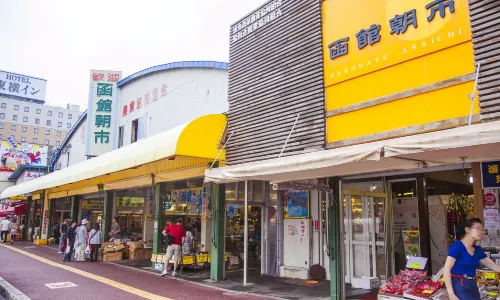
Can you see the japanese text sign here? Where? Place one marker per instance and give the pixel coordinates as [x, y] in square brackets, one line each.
[103, 106]
[490, 174]
[22, 86]
[361, 36]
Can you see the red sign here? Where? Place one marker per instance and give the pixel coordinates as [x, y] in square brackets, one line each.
[490, 200]
[45, 221]
[316, 225]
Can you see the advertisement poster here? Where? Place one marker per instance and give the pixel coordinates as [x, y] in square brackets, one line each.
[411, 240]
[16, 154]
[296, 204]
[490, 174]
[491, 219]
[491, 198]
[186, 201]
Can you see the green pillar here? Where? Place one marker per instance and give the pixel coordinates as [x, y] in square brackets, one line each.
[75, 206]
[217, 192]
[107, 214]
[33, 219]
[52, 206]
[26, 219]
[159, 218]
[334, 230]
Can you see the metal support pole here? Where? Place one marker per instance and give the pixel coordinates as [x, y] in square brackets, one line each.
[290, 134]
[245, 237]
[473, 95]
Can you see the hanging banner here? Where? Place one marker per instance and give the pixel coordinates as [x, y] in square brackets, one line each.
[16, 154]
[490, 174]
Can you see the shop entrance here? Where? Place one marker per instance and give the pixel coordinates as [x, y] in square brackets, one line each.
[234, 239]
[364, 234]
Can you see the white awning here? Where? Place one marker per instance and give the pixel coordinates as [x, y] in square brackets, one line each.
[193, 144]
[464, 144]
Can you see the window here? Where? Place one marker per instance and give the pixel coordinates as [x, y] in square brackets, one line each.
[47, 132]
[35, 130]
[68, 125]
[135, 125]
[35, 140]
[58, 133]
[49, 113]
[0, 136]
[2, 116]
[4, 105]
[61, 115]
[58, 143]
[120, 136]
[26, 109]
[14, 117]
[49, 122]
[16, 107]
[1, 125]
[25, 129]
[59, 124]
[38, 111]
[47, 142]
[70, 116]
[25, 119]
[13, 127]
[23, 139]
[37, 121]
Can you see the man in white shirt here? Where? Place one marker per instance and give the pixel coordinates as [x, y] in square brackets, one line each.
[5, 229]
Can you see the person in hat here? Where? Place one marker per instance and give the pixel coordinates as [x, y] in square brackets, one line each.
[81, 240]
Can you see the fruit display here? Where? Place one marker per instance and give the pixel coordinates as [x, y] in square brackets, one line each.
[424, 290]
[404, 281]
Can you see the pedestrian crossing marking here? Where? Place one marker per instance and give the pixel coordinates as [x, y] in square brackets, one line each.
[113, 283]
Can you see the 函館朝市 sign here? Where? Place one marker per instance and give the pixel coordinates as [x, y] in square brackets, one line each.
[102, 112]
[387, 32]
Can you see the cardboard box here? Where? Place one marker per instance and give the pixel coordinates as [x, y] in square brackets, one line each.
[105, 244]
[135, 245]
[366, 283]
[108, 250]
[112, 256]
[119, 247]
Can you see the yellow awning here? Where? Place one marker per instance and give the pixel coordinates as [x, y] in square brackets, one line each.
[183, 147]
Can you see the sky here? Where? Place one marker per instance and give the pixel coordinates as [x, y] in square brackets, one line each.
[61, 41]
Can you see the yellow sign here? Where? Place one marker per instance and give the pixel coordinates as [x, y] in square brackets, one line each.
[201, 258]
[92, 204]
[188, 260]
[415, 266]
[362, 36]
[490, 276]
[427, 291]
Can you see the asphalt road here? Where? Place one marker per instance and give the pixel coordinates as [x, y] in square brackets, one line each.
[30, 271]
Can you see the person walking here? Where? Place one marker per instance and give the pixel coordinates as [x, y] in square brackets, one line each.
[175, 248]
[81, 240]
[5, 225]
[63, 230]
[463, 260]
[95, 241]
[187, 245]
[14, 228]
[70, 241]
[115, 232]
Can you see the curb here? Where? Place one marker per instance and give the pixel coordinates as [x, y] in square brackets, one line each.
[9, 292]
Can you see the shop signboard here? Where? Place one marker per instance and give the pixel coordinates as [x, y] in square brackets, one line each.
[16, 154]
[92, 205]
[45, 223]
[188, 201]
[411, 241]
[130, 202]
[23, 86]
[102, 116]
[490, 174]
[296, 204]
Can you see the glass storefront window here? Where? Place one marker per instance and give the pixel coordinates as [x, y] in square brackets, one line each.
[231, 191]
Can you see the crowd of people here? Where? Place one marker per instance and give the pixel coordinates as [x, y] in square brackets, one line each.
[10, 227]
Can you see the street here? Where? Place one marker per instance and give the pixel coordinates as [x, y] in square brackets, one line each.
[30, 269]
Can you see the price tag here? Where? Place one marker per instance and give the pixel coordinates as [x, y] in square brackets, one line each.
[427, 292]
[490, 276]
[442, 279]
[187, 260]
[415, 265]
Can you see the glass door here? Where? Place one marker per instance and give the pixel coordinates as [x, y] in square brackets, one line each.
[364, 236]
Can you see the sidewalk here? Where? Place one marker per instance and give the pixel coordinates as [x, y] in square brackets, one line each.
[29, 268]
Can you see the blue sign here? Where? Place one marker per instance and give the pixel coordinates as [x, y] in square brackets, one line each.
[490, 174]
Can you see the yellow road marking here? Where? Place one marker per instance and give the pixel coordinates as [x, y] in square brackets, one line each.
[115, 284]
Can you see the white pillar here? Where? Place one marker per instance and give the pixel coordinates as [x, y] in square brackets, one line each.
[44, 226]
[245, 238]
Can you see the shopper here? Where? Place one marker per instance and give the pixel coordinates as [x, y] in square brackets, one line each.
[70, 241]
[14, 228]
[95, 241]
[179, 234]
[187, 246]
[5, 229]
[463, 260]
[63, 230]
[115, 232]
[81, 240]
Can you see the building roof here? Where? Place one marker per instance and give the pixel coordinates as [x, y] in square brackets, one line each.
[15, 175]
[66, 139]
[174, 65]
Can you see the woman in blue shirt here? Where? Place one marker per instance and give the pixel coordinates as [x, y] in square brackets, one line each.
[463, 260]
